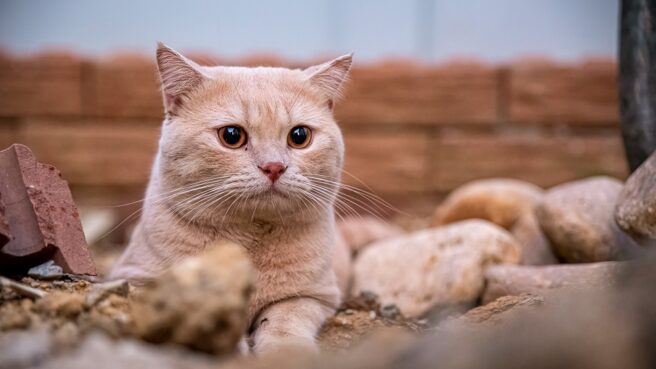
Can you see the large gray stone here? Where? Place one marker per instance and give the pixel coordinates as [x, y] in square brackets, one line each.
[636, 206]
[577, 218]
[513, 280]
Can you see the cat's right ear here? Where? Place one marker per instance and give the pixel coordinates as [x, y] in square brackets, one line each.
[178, 76]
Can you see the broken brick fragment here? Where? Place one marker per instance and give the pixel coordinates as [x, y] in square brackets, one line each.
[43, 221]
[5, 233]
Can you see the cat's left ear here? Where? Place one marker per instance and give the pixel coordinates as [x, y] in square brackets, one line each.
[330, 77]
[178, 75]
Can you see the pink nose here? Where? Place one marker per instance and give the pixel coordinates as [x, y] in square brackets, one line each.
[273, 170]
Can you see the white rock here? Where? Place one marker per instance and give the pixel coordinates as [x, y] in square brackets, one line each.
[434, 266]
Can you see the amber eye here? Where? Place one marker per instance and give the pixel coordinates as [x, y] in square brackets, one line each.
[299, 137]
[232, 137]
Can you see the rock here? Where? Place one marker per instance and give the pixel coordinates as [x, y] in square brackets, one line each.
[535, 246]
[200, 303]
[504, 280]
[636, 206]
[500, 201]
[362, 231]
[101, 291]
[47, 270]
[22, 349]
[501, 309]
[435, 266]
[577, 218]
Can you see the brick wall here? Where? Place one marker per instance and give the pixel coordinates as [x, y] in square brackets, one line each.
[412, 132]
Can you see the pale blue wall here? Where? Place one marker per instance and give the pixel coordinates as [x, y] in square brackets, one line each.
[494, 30]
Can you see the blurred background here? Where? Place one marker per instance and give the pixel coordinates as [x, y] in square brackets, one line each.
[442, 92]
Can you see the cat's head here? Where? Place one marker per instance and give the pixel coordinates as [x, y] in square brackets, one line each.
[260, 141]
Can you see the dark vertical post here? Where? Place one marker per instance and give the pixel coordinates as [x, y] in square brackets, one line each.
[637, 79]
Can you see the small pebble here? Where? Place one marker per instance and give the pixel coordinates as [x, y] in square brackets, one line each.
[390, 311]
[349, 311]
[372, 315]
[47, 270]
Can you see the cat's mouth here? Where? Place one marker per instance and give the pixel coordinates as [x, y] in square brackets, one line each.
[274, 191]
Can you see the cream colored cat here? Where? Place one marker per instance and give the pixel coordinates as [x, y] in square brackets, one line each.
[253, 156]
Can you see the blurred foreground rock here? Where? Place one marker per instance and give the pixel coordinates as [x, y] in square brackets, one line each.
[20, 349]
[504, 280]
[577, 218]
[438, 266]
[100, 352]
[200, 303]
[636, 206]
[498, 200]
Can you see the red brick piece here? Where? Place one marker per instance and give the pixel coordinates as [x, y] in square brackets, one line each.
[5, 233]
[41, 215]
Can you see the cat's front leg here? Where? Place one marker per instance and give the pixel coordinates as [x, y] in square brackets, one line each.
[292, 323]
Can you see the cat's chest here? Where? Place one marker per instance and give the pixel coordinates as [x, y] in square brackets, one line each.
[273, 246]
[253, 235]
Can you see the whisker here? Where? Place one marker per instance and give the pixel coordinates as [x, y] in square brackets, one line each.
[195, 185]
[375, 199]
[180, 191]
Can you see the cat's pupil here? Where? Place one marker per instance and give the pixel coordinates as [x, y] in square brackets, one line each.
[299, 135]
[232, 135]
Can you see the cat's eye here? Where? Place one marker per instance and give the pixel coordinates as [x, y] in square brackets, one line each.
[232, 137]
[299, 137]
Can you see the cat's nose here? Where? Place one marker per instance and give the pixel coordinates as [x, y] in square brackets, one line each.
[273, 170]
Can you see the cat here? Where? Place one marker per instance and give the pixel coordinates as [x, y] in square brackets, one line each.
[253, 156]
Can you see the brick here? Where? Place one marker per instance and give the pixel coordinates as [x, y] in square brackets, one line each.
[45, 84]
[92, 152]
[540, 159]
[451, 94]
[551, 93]
[41, 214]
[387, 161]
[123, 87]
